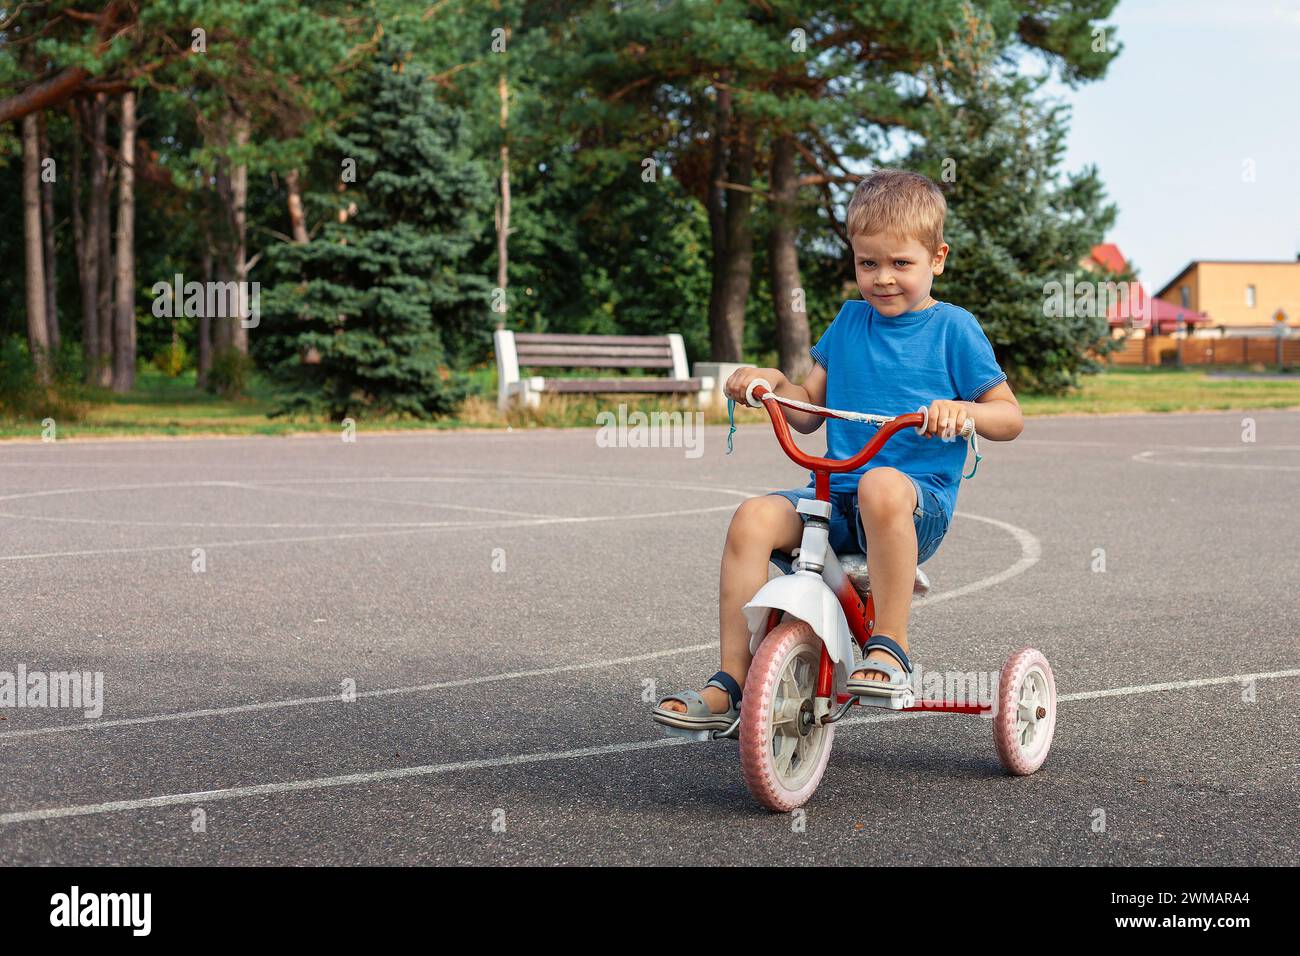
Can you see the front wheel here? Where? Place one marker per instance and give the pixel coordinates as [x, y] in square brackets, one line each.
[783, 749]
[1026, 716]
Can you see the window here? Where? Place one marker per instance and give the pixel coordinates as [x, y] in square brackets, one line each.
[1185, 294]
[1250, 297]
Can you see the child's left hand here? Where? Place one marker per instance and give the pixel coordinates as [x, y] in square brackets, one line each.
[946, 419]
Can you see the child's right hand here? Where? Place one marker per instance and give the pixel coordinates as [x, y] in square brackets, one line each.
[741, 378]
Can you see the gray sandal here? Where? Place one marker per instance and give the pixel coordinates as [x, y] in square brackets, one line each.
[900, 681]
[698, 716]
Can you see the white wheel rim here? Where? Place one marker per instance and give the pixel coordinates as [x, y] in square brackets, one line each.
[1033, 713]
[795, 756]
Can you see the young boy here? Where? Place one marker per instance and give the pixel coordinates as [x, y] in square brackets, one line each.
[888, 354]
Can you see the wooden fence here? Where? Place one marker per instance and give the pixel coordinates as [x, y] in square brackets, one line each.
[1142, 351]
[1240, 350]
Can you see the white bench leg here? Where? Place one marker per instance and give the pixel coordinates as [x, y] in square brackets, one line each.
[507, 366]
[706, 395]
[531, 391]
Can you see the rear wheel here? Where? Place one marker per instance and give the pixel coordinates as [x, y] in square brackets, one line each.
[783, 749]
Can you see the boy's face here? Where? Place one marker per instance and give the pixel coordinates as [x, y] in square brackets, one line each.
[895, 274]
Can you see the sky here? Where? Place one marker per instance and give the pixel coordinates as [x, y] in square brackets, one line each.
[1204, 95]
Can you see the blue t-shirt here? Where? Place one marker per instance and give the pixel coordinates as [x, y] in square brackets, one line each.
[885, 365]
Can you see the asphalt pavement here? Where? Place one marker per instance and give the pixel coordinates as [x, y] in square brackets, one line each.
[437, 648]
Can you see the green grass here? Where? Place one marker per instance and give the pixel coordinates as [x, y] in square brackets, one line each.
[1166, 390]
[173, 406]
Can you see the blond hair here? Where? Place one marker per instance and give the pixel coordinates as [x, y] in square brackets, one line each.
[898, 203]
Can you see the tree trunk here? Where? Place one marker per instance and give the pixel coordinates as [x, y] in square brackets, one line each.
[47, 232]
[792, 335]
[124, 323]
[717, 206]
[85, 240]
[297, 218]
[232, 191]
[101, 189]
[729, 342]
[298, 226]
[205, 320]
[239, 224]
[503, 210]
[38, 333]
[220, 324]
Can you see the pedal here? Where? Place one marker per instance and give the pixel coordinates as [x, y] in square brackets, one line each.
[901, 702]
[688, 734]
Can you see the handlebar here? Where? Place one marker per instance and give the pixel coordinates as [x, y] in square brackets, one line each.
[888, 428]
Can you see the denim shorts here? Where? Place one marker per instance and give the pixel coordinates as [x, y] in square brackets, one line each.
[930, 521]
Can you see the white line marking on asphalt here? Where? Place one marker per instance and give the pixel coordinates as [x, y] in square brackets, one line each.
[400, 773]
[256, 486]
[337, 698]
[1148, 457]
[1177, 685]
[397, 527]
[429, 526]
[1030, 551]
[270, 487]
[379, 776]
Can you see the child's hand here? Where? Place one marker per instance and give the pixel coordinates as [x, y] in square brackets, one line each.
[739, 381]
[946, 419]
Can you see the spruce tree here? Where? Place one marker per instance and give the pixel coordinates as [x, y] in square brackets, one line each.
[353, 325]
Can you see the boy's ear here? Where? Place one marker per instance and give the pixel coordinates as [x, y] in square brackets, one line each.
[940, 257]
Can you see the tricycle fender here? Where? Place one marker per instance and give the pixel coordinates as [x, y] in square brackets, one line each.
[807, 597]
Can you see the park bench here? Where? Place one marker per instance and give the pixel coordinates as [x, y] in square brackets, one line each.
[516, 350]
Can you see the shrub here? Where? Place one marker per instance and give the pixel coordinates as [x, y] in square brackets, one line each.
[172, 359]
[23, 399]
[229, 373]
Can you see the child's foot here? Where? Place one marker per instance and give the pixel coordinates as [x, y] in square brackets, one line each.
[865, 673]
[718, 701]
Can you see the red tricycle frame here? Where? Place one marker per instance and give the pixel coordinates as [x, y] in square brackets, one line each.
[861, 617]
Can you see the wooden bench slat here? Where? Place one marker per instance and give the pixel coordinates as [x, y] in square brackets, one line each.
[591, 385]
[525, 338]
[649, 351]
[639, 354]
[597, 361]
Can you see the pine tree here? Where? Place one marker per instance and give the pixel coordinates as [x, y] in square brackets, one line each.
[1015, 222]
[354, 323]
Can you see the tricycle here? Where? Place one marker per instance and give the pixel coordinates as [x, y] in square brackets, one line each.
[809, 628]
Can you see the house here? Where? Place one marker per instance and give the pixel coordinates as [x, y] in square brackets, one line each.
[1241, 297]
[1137, 309]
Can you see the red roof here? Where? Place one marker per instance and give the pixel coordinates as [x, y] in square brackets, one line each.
[1139, 310]
[1108, 256]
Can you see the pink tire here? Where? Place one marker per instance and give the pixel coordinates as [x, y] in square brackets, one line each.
[783, 750]
[1025, 719]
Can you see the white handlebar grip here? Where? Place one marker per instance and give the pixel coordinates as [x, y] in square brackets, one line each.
[924, 411]
[967, 427]
[749, 392]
